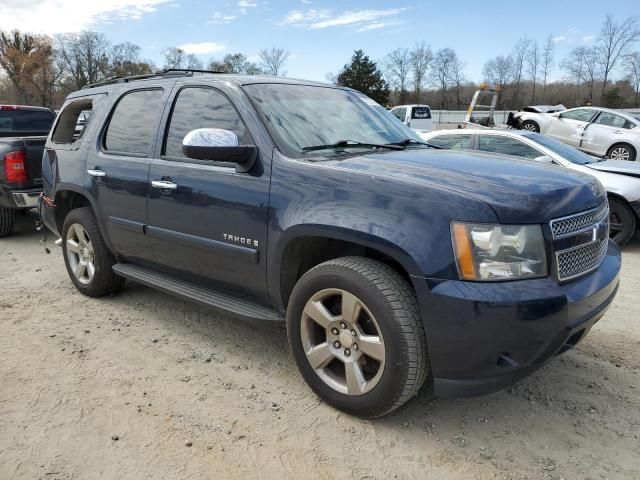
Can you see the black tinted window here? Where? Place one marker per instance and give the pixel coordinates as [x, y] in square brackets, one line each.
[452, 142]
[133, 122]
[507, 146]
[420, 113]
[19, 122]
[202, 108]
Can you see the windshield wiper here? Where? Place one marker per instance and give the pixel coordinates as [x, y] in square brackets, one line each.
[352, 144]
[410, 141]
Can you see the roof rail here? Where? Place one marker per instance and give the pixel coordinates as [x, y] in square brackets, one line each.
[167, 72]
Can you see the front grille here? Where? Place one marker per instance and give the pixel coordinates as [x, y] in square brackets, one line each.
[561, 227]
[580, 260]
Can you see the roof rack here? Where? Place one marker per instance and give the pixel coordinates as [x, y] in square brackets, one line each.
[167, 72]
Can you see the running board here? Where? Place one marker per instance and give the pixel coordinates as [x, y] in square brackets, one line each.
[192, 292]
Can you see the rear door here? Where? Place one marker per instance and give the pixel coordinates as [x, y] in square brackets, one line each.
[569, 126]
[421, 118]
[118, 170]
[211, 227]
[604, 131]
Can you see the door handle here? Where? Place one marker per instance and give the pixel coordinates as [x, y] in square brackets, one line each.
[96, 173]
[163, 185]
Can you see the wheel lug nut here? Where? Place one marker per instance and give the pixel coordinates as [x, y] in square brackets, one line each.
[334, 331]
[343, 325]
[336, 344]
[347, 352]
[355, 346]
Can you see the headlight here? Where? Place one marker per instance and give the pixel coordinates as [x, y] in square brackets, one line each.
[488, 252]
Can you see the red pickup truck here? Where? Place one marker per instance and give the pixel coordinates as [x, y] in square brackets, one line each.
[23, 132]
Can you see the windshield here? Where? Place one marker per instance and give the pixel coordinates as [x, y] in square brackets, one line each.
[302, 116]
[565, 151]
[16, 122]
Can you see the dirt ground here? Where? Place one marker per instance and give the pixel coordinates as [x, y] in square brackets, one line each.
[142, 385]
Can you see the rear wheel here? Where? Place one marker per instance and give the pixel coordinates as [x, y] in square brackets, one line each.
[87, 258]
[356, 336]
[7, 221]
[622, 151]
[622, 221]
[530, 126]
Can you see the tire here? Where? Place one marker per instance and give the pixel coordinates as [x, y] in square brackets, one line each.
[7, 221]
[530, 126]
[89, 245]
[388, 310]
[622, 151]
[622, 221]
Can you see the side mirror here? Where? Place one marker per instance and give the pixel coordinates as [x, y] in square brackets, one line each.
[219, 145]
[544, 159]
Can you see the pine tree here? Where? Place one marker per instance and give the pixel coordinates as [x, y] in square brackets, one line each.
[363, 75]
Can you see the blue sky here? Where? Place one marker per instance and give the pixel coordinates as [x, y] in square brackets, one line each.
[321, 35]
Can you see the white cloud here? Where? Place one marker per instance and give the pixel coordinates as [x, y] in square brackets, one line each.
[246, 4]
[62, 16]
[220, 18]
[361, 20]
[561, 38]
[202, 48]
[588, 38]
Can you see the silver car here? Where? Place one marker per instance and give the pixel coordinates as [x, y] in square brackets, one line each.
[621, 179]
[598, 131]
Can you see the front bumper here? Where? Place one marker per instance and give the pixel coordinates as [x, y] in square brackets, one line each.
[483, 337]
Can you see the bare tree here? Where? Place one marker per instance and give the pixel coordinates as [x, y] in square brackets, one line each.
[499, 71]
[633, 75]
[441, 73]
[124, 60]
[533, 64]
[397, 65]
[547, 64]
[457, 77]
[175, 57]
[420, 57]
[614, 43]
[273, 61]
[520, 52]
[83, 58]
[583, 68]
[236, 63]
[192, 62]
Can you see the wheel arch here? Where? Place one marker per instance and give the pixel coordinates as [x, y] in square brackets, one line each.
[303, 247]
[623, 144]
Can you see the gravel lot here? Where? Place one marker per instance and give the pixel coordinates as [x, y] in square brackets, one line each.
[142, 385]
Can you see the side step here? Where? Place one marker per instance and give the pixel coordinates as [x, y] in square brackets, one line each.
[192, 292]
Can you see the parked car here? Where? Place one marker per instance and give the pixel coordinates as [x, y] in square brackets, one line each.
[620, 179]
[395, 264]
[598, 131]
[23, 131]
[417, 117]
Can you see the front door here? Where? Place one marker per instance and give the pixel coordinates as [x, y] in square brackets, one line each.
[207, 222]
[119, 170]
[568, 126]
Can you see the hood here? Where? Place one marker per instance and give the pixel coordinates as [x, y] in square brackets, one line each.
[544, 108]
[519, 191]
[622, 167]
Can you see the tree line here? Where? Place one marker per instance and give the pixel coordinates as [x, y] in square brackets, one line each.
[42, 70]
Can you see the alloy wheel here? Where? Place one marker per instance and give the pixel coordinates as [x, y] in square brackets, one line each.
[80, 253]
[342, 341]
[620, 153]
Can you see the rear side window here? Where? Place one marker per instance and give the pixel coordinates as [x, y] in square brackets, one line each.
[199, 107]
[507, 146]
[133, 122]
[74, 119]
[452, 142]
[15, 121]
[613, 120]
[420, 113]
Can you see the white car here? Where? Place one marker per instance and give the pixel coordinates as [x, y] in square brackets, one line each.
[620, 179]
[417, 117]
[598, 131]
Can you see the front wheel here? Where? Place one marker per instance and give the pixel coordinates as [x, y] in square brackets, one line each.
[622, 221]
[87, 258]
[356, 336]
[530, 126]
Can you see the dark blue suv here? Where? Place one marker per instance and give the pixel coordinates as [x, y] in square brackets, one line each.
[395, 264]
